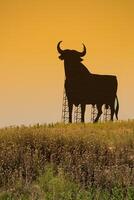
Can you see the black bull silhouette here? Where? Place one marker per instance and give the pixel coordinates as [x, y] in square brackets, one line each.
[83, 87]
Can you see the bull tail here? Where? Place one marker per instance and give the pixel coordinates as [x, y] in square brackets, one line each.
[117, 107]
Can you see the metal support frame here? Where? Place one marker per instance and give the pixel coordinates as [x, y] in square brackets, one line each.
[106, 113]
[77, 114]
[93, 113]
[65, 109]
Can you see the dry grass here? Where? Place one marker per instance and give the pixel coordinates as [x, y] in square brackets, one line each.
[100, 155]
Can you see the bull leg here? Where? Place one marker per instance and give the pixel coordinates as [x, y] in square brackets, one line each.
[70, 105]
[112, 111]
[99, 108]
[83, 107]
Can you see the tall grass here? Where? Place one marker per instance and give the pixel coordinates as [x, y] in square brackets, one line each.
[95, 156]
[51, 186]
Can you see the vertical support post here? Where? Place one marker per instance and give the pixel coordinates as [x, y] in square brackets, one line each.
[77, 114]
[65, 108]
[106, 113]
[93, 112]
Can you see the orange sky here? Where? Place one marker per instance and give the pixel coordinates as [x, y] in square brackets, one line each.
[31, 75]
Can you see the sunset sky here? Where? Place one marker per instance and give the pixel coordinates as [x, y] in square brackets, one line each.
[32, 76]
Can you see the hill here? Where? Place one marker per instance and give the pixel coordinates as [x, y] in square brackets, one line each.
[92, 156]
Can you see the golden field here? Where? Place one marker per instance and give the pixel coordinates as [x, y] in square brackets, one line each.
[91, 155]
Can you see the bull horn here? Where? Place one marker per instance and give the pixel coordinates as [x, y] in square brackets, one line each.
[83, 53]
[58, 48]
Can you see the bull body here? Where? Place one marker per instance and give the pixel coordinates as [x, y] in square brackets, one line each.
[93, 90]
[83, 87]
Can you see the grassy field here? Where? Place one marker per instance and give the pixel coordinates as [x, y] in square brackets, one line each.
[67, 162]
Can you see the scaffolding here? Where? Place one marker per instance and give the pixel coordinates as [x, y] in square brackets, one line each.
[77, 114]
[93, 112]
[106, 113]
[65, 109]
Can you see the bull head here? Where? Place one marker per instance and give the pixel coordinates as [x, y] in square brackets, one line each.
[81, 54]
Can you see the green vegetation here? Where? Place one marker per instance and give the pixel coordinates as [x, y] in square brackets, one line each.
[58, 187]
[69, 162]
